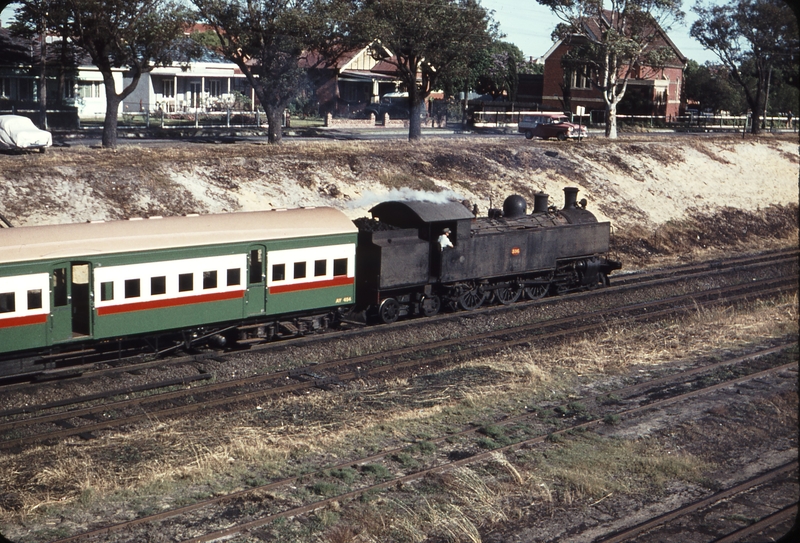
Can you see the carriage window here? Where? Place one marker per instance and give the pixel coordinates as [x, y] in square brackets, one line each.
[299, 270]
[158, 285]
[320, 267]
[60, 287]
[255, 265]
[340, 266]
[210, 279]
[7, 302]
[185, 282]
[234, 277]
[35, 299]
[133, 288]
[279, 272]
[106, 291]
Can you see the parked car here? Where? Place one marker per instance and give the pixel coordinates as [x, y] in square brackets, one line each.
[18, 132]
[395, 104]
[550, 125]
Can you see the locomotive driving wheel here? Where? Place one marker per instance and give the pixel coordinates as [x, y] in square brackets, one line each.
[507, 295]
[472, 299]
[536, 291]
[389, 311]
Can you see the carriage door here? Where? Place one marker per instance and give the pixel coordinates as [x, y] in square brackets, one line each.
[255, 295]
[70, 305]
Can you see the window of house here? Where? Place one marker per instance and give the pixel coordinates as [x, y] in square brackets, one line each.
[168, 88]
[278, 272]
[299, 270]
[234, 277]
[320, 267]
[185, 282]
[106, 291]
[209, 279]
[35, 299]
[7, 304]
[214, 87]
[340, 266]
[580, 79]
[89, 89]
[158, 285]
[27, 90]
[133, 288]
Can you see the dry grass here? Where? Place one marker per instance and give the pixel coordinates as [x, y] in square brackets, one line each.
[227, 451]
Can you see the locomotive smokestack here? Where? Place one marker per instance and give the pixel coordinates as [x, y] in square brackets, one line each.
[540, 202]
[570, 197]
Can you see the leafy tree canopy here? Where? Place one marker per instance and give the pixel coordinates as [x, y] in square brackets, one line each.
[268, 38]
[752, 38]
[427, 42]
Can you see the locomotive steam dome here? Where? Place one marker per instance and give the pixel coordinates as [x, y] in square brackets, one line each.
[514, 206]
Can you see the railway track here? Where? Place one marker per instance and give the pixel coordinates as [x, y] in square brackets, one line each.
[84, 421]
[225, 516]
[89, 364]
[727, 526]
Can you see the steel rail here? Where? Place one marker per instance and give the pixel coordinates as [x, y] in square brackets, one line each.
[630, 533]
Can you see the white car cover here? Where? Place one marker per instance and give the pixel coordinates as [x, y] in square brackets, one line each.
[18, 132]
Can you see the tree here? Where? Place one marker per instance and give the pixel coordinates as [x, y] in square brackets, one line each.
[616, 40]
[134, 35]
[426, 41]
[711, 86]
[35, 19]
[500, 74]
[267, 39]
[751, 38]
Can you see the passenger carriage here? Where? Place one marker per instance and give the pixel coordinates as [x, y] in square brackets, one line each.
[67, 284]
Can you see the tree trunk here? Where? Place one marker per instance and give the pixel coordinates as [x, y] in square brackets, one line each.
[110, 122]
[611, 120]
[414, 123]
[415, 99]
[274, 130]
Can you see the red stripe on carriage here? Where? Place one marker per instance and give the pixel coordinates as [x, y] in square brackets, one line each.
[339, 281]
[23, 321]
[170, 302]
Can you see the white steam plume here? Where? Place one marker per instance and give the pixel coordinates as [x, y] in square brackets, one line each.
[369, 199]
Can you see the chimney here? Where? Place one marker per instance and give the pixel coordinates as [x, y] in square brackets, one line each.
[540, 202]
[570, 197]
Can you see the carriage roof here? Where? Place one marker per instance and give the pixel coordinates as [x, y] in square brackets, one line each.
[66, 241]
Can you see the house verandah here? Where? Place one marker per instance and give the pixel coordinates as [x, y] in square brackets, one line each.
[211, 84]
[349, 85]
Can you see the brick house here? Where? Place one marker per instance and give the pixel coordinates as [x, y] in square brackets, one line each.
[650, 91]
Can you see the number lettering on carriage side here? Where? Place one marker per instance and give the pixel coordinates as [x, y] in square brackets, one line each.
[515, 251]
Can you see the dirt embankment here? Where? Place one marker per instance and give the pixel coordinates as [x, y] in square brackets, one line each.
[661, 193]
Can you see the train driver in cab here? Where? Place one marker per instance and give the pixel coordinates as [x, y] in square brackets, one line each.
[444, 240]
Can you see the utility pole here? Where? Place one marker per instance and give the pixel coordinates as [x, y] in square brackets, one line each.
[766, 98]
[43, 67]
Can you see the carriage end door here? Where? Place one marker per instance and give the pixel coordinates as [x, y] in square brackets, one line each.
[70, 301]
[256, 294]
